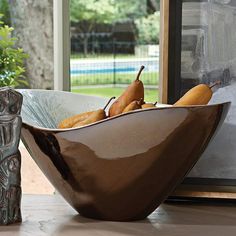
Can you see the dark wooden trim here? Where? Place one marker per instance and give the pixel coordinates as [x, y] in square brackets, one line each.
[174, 52]
[209, 181]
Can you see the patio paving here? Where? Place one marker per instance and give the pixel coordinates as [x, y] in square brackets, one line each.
[33, 180]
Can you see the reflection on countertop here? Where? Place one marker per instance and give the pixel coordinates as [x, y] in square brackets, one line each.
[45, 215]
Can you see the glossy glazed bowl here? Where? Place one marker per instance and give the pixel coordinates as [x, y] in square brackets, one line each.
[121, 168]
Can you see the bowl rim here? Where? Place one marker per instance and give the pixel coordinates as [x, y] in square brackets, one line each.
[166, 106]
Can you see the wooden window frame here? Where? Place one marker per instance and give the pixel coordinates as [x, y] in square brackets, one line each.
[170, 50]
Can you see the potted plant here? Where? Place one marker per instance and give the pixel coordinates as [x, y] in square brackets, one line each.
[11, 59]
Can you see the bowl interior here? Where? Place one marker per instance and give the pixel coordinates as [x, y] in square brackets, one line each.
[46, 108]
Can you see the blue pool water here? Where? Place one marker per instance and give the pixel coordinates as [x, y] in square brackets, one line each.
[102, 71]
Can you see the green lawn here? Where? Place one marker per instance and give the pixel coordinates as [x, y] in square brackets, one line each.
[151, 78]
[151, 95]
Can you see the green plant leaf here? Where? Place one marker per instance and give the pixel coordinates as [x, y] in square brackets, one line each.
[11, 59]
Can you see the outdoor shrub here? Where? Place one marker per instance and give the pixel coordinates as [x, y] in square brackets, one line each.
[11, 59]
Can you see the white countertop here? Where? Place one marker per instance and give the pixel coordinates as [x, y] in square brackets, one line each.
[51, 215]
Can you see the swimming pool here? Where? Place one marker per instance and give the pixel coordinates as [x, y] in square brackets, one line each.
[108, 66]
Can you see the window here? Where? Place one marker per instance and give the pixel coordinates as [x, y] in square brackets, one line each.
[110, 40]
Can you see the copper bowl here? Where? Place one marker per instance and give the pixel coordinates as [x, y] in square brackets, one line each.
[121, 168]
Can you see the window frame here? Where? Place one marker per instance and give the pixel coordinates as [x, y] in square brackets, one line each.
[62, 49]
[61, 40]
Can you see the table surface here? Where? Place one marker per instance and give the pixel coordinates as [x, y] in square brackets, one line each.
[51, 215]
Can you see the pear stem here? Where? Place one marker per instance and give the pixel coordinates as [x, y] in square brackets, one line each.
[108, 102]
[155, 103]
[139, 73]
[216, 83]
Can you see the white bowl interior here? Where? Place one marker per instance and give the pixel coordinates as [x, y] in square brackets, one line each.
[46, 108]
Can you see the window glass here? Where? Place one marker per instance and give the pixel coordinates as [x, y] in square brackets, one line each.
[110, 40]
[209, 55]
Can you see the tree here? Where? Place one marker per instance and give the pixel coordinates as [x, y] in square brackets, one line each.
[4, 9]
[33, 24]
[153, 6]
[130, 10]
[91, 12]
[148, 28]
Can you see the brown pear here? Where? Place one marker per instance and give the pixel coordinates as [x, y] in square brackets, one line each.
[135, 91]
[198, 95]
[69, 122]
[133, 106]
[148, 105]
[95, 116]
